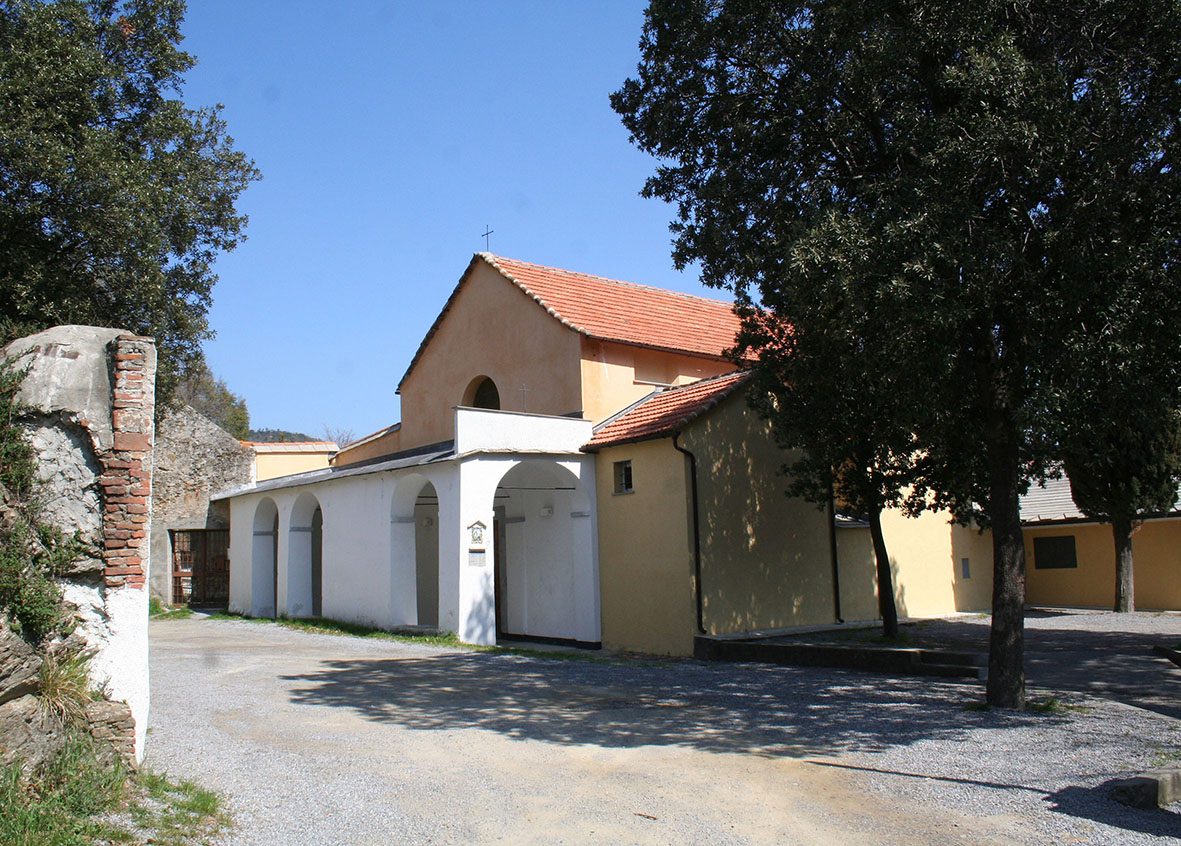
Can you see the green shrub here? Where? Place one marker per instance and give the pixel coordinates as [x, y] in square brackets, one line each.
[65, 686]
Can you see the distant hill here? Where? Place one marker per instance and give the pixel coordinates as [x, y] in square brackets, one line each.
[275, 436]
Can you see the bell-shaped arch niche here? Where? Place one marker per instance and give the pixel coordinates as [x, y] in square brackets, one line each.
[481, 393]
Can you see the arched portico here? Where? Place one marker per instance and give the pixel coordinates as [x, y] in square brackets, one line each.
[305, 555]
[545, 574]
[414, 552]
[264, 559]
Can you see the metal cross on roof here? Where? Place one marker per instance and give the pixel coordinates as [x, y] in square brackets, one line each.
[487, 232]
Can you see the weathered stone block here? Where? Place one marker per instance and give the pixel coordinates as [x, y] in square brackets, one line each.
[20, 666]
[1153, 789]
[27, 736]
[112, 725]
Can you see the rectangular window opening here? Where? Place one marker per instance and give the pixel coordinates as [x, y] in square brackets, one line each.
[965, 568]
[1054, 553]
[623, 477]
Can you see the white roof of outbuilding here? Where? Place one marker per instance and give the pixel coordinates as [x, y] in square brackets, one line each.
[398, 461]
[1051, 502]
[293, 446]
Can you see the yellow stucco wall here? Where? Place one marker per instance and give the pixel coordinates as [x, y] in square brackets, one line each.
[766, 559]
[386, 444]
[616, 375]
[926, 561]
[1156, 552]
[272, 465]
[926, 556]
[493, 329]
[645, 551]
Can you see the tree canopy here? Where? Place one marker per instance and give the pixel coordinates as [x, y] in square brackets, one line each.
[967, 186]
[212, 397]
[115, 197]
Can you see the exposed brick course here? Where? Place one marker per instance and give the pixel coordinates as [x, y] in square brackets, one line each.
[127, 476]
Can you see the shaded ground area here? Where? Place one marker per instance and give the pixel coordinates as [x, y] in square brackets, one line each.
[321, 739]
[1095, 652]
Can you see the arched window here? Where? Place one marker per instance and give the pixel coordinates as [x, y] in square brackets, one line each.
[482, 393]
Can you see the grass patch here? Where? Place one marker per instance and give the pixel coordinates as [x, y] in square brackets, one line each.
[65, 686]
[1054, 705]
[321, 625]
[174, 814]
[1047, 705]
[159, 611]
[81, 799]
[1165, 757]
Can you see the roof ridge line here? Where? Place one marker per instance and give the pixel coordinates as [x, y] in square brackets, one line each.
[656, 391]
[550, 310]
[492, 258]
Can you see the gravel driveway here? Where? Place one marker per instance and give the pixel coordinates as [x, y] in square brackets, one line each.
[319, 739]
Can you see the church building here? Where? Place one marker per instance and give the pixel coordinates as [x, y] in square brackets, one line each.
[576, 463]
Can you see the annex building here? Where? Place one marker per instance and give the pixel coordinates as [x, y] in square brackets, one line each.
[576, 462]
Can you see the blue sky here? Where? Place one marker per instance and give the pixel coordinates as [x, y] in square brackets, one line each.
[388, 135]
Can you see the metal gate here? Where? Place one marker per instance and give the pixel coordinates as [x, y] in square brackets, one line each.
[201, 567]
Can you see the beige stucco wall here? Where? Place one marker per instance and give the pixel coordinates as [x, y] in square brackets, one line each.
[766, 558]
[386, 444]
[645, 551]
[926, 555]
[616, 375]
[926, 560]
[493, 329]
[1156, 551]
[272, 465]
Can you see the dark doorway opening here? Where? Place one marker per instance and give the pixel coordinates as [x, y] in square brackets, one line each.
[201, 568]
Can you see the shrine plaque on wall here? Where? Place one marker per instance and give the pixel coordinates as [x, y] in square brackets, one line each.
[475, 557]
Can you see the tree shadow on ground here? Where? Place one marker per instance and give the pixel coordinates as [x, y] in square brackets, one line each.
[1119, 665]
[1088, 803]
[1092, 804]
[722, 708]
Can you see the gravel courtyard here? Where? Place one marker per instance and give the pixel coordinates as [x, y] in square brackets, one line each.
[321, 739]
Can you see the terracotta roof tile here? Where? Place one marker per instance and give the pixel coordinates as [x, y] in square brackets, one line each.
[664, 412]
[611, 310]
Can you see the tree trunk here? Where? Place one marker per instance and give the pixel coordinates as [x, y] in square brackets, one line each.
[886, 605]
[1006, 647]
[1121, 529]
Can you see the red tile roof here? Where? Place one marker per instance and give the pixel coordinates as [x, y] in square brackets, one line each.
[610, 310]
[664, 412]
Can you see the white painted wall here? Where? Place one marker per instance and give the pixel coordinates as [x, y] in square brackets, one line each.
[370, 551]
[479, 430]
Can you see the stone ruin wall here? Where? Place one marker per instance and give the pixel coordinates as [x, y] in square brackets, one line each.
[194, 459]
[90, 395]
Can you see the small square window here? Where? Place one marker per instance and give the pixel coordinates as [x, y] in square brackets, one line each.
[1054, 553]
[623, 477]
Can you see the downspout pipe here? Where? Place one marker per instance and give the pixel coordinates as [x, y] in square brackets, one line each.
[832, 544]
[698, 593]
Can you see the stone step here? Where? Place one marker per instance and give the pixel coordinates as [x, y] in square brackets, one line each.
[884, 659]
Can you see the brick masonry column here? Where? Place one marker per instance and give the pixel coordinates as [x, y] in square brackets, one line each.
[126, 496]
[127, 469]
